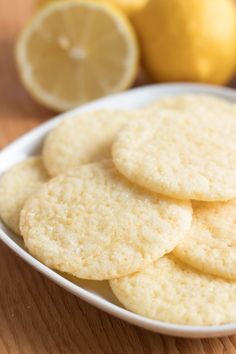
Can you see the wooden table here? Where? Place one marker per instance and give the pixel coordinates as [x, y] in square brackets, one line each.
[36, 316]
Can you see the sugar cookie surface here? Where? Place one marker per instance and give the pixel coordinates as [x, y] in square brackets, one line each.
[180, 155]
[211, 243]
[169, 291]
[99, 226]
[196, 103]
[84, 139]
[18, 184]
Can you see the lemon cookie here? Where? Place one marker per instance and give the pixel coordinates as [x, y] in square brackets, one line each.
[211, 242]
[193, 103]
[16, 185]
[181, 155]
[84, 139]
[99, 226]
[169, 291]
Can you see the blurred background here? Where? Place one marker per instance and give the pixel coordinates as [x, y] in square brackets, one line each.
[18, 112]
[56, 55]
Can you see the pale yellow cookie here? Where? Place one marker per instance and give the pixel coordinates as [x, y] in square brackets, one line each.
[99, 226]
[170, 291]
[211, 243]
[181, 155]
[84, 139]
[197, 103]
[18, 184]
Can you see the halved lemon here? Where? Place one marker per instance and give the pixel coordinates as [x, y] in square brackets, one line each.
[75, 51]
[127, 6]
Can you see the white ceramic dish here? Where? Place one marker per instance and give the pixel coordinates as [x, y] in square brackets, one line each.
[98, 293]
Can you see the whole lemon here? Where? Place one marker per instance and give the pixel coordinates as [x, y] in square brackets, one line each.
[188, 40]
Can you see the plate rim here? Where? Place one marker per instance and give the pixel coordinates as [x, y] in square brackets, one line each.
[86, 295]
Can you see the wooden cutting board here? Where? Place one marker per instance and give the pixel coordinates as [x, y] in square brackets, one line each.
[36, 316]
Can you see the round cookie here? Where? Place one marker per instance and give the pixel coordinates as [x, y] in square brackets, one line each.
[170, 291]
[181, 155]
[18, 184]
[98, 225]
[196, 103]
[84, 139]
[211, 242]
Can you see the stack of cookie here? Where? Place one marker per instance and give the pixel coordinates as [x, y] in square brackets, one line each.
[144, 199]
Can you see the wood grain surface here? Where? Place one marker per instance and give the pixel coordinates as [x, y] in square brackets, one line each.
[36, 316]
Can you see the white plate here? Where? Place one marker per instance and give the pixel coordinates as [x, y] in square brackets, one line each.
[98, 293]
